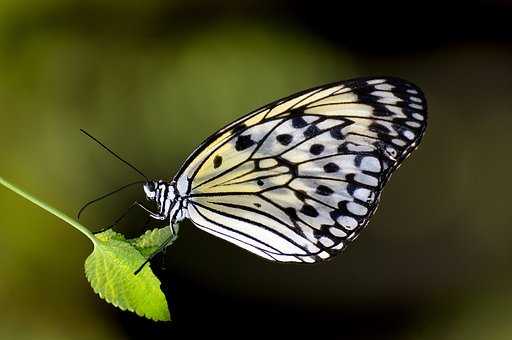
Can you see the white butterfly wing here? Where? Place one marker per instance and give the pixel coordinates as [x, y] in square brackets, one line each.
[298, 179]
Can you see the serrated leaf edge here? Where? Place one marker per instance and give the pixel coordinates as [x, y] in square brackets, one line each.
[87, 276]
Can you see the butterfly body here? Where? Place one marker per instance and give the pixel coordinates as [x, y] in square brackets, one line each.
[169, 201]
[298, 179]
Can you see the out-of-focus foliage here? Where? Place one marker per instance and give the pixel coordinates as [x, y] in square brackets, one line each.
[152, 82]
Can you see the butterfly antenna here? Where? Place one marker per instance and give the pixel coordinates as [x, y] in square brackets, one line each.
[104, 196]
[114, 154]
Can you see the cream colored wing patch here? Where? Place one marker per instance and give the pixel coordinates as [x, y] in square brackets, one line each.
[298, 179]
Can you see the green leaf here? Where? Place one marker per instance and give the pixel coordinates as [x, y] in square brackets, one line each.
[110, 270]
[111, 266]
[151, 240]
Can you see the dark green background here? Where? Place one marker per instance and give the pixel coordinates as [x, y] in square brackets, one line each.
[153, 79]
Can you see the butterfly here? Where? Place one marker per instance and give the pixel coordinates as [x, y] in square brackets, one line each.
[298, 179]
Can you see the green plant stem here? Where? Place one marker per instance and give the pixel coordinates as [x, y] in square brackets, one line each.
[75, 224]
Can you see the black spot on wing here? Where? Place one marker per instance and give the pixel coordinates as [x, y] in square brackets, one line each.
[331, 167]
[217, 161]
[309, 210]
[298, 122]
[316, 149]
[284, 138]
[324, 190]
[311, 131]
[336, 133]
[243, 142]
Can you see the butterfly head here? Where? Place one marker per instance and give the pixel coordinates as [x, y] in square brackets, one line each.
[152, 190]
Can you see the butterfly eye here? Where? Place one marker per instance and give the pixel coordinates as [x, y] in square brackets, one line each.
[150, 190]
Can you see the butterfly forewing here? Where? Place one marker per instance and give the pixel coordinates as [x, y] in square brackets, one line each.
[296, 180]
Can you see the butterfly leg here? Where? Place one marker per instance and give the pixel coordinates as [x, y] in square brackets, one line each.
[133, 205]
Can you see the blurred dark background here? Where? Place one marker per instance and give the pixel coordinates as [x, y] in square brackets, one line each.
[154, 78]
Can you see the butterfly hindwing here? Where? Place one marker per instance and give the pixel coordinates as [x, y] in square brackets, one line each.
[296, 180]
